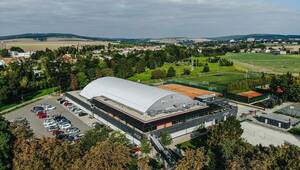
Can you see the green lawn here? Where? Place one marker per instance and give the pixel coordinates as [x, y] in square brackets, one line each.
[267, 62]
[218, 77]
[214, 68]
[31, 96]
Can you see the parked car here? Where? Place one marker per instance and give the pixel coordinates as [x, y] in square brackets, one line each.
[61, 119]
[97, 125]
[41, 112]
[64, 125]
[81, 114]
[49, 122]
[41, 115]
[52, 128]
[59, 99]
[36, 109]
[62, 101]
[71, 108]
[50, 107]
[73, 137]
[47, 106]
[76, 111]
[57, 132]
[62, 136]
[66, 103]
[73, 130]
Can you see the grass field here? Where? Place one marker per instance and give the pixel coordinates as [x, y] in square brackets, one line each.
[267, 62]
[51, 43]
[218, 77]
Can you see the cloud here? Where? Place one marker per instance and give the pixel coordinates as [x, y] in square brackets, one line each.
[144, 18]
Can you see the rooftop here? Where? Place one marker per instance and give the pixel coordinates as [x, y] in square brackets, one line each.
[140, 97]
[146, 117]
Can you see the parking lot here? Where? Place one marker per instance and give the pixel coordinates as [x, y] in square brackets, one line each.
[257, 134]
[82, 123]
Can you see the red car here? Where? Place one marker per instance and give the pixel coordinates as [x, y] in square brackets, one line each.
[57, 132]
[41, 115]
[66, 103]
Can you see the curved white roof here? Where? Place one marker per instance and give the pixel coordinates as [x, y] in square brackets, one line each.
[138, 96]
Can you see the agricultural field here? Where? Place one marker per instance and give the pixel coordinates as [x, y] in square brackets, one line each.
[267, 63]
[51, 43]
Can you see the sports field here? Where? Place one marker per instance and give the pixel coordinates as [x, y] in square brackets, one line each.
[267, 63]
[188, 91]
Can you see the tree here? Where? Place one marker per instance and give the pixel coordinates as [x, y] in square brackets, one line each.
[206, 68]
[158, 74]
[105, 155]
[230, 129]
[171, 72]
[4, 53]
[145, 146]
[92, 137]
[143, 163]
[74, 83]
[165, 138]
[140, 66]
[82, 79]
[186, 71]
[18, 49]
[193, 159]
[5, 145]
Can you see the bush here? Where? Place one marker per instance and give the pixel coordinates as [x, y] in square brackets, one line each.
[295, 131]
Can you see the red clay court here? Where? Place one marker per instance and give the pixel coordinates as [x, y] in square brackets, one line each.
[250, 94]
[188, 91]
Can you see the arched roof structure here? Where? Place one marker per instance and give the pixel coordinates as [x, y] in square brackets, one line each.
[143, 98]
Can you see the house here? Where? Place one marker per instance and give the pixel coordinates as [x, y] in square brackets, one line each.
[16, 54]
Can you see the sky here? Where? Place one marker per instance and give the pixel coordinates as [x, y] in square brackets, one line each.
[150, 18]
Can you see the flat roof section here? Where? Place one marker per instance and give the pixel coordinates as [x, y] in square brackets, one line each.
[144, 117]
[280, 118]
[188, 91]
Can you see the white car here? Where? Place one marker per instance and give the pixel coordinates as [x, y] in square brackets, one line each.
[48, 121]
[64, 126]
[50, 107]
[47, 106]
[46, 125]
[77, 111]
[73, 130]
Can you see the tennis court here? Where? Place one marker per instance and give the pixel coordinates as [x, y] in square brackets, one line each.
[188, 91]
[250, 94]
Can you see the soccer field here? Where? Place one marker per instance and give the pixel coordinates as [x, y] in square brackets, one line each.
[267, 62]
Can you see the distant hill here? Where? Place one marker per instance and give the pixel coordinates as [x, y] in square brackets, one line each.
[45, 36]
[256, 36]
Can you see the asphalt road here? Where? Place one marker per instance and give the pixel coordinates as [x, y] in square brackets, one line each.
[37, 124]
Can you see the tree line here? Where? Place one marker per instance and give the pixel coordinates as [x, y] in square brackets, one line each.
[77, 69]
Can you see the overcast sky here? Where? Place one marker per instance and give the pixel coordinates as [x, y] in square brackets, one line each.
[150, 18]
